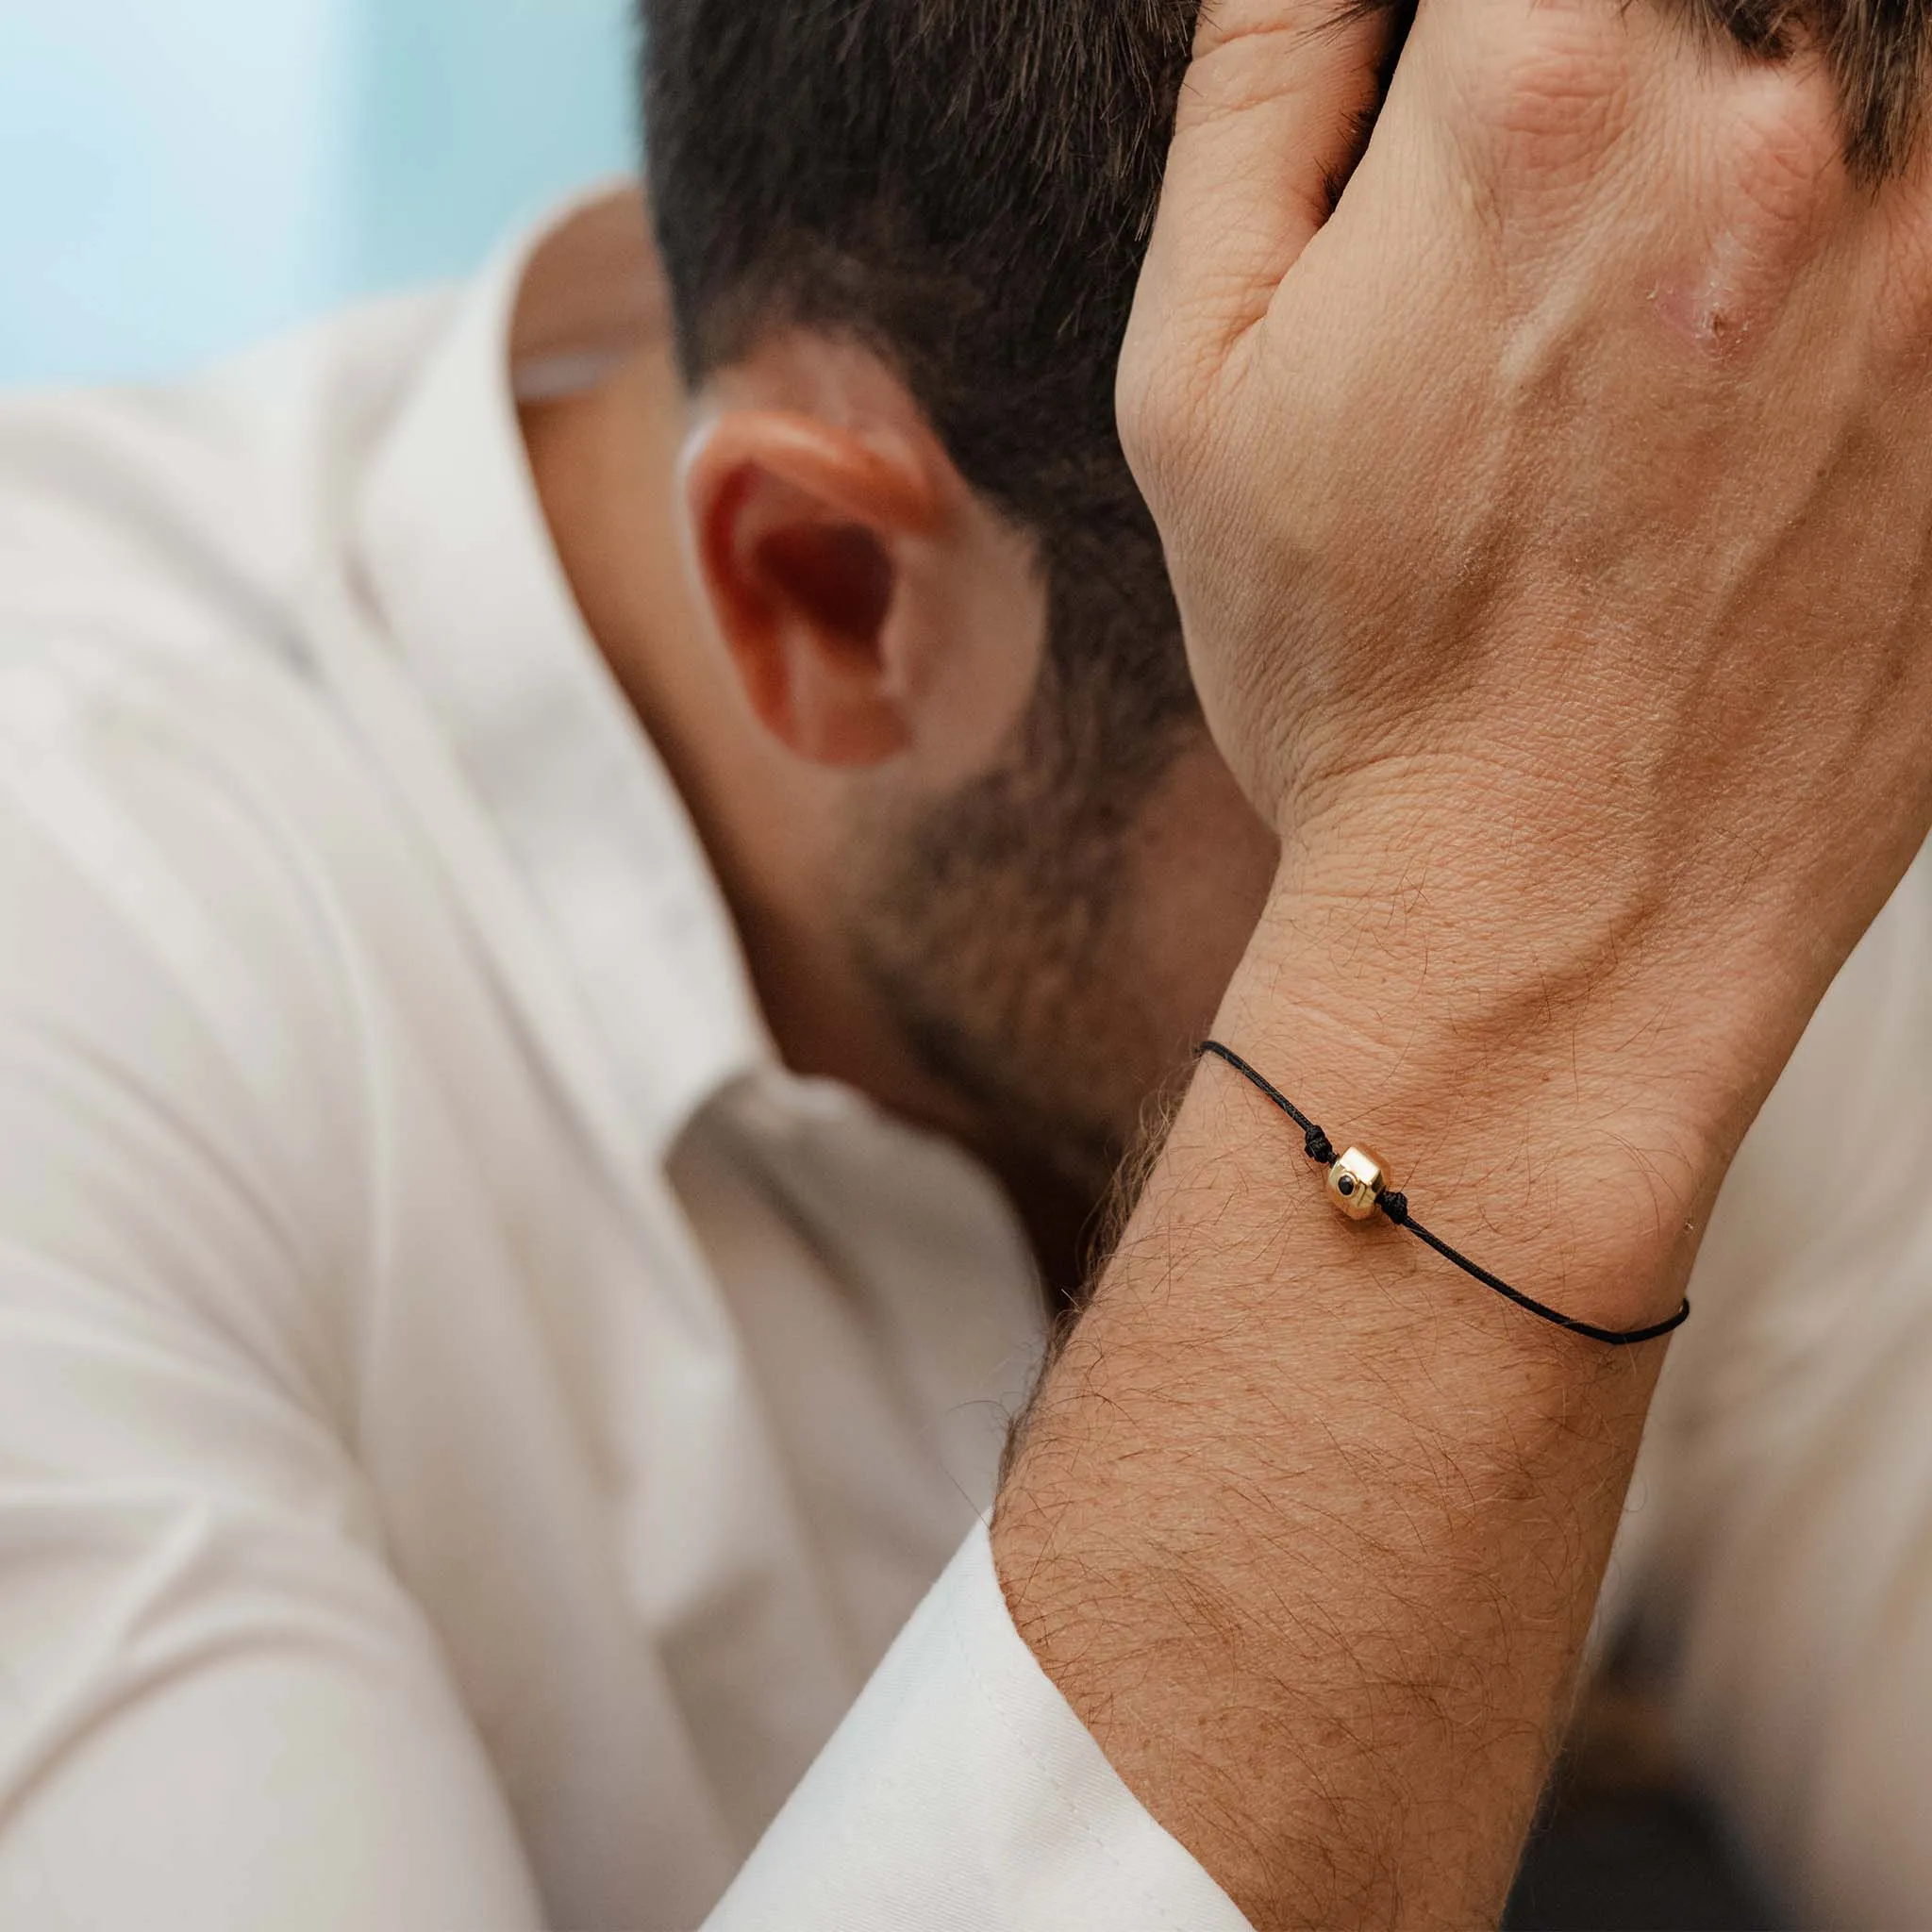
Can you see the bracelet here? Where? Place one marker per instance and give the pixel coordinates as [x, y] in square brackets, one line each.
[1358, 1186]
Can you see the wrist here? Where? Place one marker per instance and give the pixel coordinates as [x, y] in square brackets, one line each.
[1544, 1111]
[1514, 920]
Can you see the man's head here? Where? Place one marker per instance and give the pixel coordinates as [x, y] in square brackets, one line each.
[902, 238]
[915, 226]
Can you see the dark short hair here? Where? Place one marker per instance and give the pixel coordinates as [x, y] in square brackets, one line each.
[968, 185]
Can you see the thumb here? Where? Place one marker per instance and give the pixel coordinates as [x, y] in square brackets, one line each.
[1273, 114]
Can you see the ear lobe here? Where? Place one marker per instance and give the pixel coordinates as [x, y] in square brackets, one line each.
[800, 529]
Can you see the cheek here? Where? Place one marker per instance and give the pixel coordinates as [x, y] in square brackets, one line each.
[973, 609]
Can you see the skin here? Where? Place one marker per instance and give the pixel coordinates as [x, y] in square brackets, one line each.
[1552, 532]
[1563, 757]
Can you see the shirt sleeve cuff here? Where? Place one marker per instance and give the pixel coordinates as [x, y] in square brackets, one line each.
[962, 1792]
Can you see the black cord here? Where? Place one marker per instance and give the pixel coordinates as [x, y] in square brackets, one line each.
[1322, 1151]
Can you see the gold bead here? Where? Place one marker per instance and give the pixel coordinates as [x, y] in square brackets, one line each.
[1355, 1183]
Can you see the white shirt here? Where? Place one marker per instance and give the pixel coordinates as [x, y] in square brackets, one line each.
[471, 1423]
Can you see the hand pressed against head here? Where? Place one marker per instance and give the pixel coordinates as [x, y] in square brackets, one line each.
[901, 245]
[1605, 712]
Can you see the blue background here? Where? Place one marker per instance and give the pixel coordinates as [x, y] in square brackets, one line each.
[180, 176]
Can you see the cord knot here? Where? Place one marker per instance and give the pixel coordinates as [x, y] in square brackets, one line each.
[1396, 1208]
[1321, 1149]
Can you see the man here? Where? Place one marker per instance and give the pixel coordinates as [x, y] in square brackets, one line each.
[498, 1331]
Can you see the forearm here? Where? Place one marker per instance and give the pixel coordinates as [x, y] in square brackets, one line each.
[1613, 759]
[1308, 1527]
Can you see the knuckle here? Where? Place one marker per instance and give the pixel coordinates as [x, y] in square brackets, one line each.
[1769, 186]
[1784, 151]
[1552, 103]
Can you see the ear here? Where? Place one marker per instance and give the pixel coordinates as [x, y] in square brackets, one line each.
[802, 529]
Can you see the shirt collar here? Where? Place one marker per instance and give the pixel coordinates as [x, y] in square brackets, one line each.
[455, 551]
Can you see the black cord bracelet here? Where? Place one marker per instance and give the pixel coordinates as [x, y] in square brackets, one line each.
[1359, 1187]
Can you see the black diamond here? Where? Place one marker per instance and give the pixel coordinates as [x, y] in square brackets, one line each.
[1345, 1185]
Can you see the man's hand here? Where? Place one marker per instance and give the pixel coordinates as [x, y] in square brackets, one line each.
[1551, 527]
[1551, 531]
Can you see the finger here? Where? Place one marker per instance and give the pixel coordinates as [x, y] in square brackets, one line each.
[1273, 114]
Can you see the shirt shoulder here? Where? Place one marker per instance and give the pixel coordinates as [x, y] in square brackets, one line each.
[168, 774]
[196, 512]
[182, 1122]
